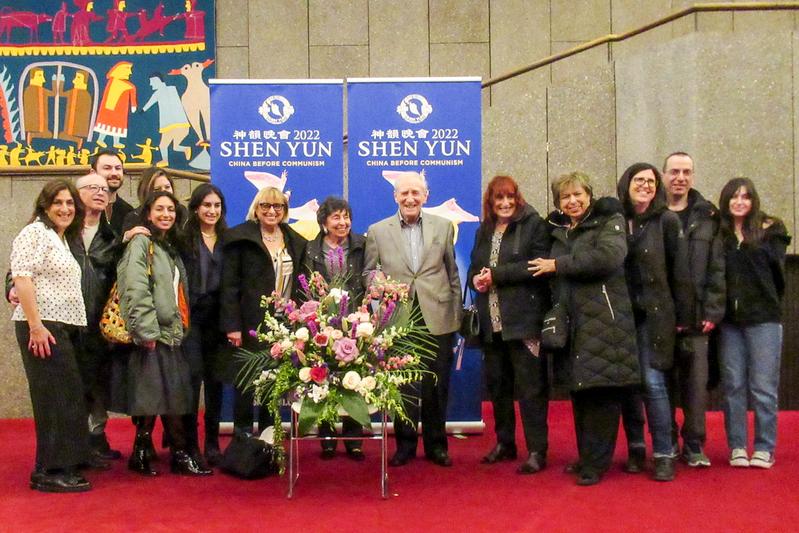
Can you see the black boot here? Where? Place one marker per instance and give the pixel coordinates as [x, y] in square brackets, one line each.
[183, 463]
[636, 460]
[139, 462]
[149, 448]
[100, 447]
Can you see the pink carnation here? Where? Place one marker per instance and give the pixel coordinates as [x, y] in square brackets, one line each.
[276, 351]
[320, 339]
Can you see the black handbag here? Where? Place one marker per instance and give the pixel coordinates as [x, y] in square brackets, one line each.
[470, 321]
[249, 457]
[555, 330]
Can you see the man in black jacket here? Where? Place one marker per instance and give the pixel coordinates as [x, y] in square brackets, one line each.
[108, 164]
[97, 253]
[699, 218]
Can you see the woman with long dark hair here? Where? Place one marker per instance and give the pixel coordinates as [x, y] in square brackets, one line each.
[47, 320]
[658, 279]
[205, 343]
[153, 301]
[751, 333]
[511, 305]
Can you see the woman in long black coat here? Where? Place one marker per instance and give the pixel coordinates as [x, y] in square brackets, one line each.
[587, 264]
[261, 255]
[658, 278]
[511, 304]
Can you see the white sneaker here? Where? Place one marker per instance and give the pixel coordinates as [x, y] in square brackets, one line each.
[739, 458]
[762, 459]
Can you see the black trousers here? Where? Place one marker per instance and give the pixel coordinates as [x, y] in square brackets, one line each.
[203, 347]
[349, 428]
[632, 417]
[689, 384]
[56, 390]
[511, 368]
[433, 411]
[596, 424]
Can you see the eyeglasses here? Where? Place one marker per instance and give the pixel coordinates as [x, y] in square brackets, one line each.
[96, 188]
[640, 181]
[266, 206]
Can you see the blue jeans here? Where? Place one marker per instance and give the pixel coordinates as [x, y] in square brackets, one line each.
[656, 396]
[750, 363]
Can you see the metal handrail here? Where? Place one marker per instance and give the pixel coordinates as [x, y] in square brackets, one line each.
[613, 37]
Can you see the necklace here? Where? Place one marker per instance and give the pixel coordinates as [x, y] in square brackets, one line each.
[209, 235]
[270, 238]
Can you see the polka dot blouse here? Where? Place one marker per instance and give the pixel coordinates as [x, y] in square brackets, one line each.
[39, 253]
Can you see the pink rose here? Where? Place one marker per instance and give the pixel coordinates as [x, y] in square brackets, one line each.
[319, 374]
[308, 310]
[346, 350]
[294, 316]
[299, 345]
[276, 351]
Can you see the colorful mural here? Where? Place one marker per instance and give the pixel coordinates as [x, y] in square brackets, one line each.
[80, 75]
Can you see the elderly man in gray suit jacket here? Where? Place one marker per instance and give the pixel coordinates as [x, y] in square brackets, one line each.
[418, 249]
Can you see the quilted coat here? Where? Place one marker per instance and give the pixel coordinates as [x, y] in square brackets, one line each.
[590, 281]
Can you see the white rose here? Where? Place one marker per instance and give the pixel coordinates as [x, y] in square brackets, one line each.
[336, 334]
[336, 294]
[364, 329]
[369, 383]
[363, 316]
[352, 318]
[351, 380]
[286, 344]
[302, 334]
[305, 374]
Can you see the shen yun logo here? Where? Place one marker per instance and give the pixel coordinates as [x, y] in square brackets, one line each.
[414, 108]
[276, 109]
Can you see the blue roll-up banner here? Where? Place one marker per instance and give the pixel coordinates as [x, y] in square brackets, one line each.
[430, 125]
[281, 133]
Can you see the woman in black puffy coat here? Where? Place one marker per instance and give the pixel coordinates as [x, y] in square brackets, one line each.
[587, 265]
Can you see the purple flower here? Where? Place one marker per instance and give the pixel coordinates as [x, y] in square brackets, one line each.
[390, 307]
[253, 333]
[342, 309]
[346, 350]
[303, 282]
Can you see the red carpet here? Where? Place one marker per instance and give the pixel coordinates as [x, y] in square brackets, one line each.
[341, 495]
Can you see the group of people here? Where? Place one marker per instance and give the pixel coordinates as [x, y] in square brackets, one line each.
[644, 279]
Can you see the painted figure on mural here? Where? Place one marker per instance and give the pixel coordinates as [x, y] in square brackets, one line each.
[117, 27]
[195, 21]
[81, 22]
[196, 98]
[36, 107]
[146, 153]
[59, 26]
[172, 122]
[119, 99]
[77, 120]
[27, 20]
[148, 26]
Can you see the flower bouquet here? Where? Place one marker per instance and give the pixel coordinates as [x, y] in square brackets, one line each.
[334, 356]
